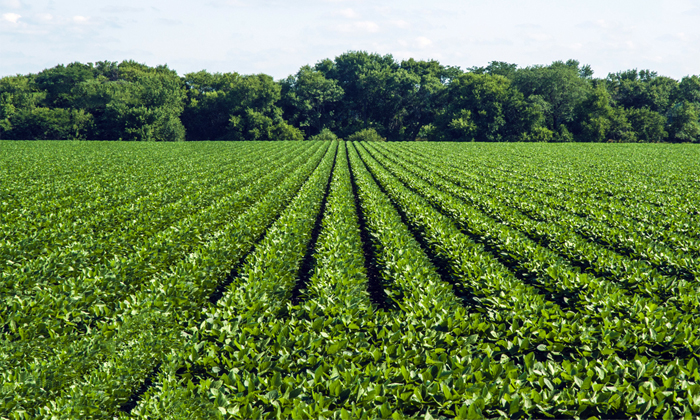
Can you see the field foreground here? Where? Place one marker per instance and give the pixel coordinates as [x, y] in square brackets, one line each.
[349, 280]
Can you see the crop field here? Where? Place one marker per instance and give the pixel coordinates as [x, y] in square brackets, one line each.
[349, 280]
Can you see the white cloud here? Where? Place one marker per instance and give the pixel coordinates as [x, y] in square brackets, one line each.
[234, 3]
[121, 9]
[364, 26]
[80, 19]
[399, 23]
[423, 42]
[602, 23]
[607, 25]
[12, 4]
[679, 36]
[539, 37]
[11, 17]
[169, 22]
[348, 13]
[596, 33]
[368, 26]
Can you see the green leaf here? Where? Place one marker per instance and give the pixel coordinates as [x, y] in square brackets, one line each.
[385, 410]
[277, 380]
[529, 360]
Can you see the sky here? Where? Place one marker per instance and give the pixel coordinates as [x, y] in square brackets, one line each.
[278, 37]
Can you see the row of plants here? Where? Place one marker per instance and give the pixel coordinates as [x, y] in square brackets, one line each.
[538, 264]
[330, 356]
[266, 368]
[514, 244]
[49, 204]
[616, 234]
[242, 332]
[656, 184]
[143, 325]
[64, 297]
[351, 280]
[121, 232]
[565, 239]
[678, 230]
[557, 333]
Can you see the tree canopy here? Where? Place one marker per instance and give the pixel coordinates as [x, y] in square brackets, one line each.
[356, 92]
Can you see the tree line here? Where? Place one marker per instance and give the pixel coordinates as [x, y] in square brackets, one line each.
[357, 92]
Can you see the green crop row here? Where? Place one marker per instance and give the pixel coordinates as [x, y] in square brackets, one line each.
[107, 195]
[636, 276]
[562, 283]
[348, 280]
[640, 239]
[254, 305]
[280, 368]
[148, 311]
[153, 223]
[554, 332]
[665, 194]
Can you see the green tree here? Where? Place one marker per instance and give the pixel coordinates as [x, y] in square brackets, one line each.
[482, 107]
[41, 123]
[143, 104]
[324, 135]
[16, 93]
[639, 89]
[422, 95]
[22, 116]
[688, 90]
[254, 125]
[648, 125]
[59, 83]
[396, 99]
[307, 99]
[500, 68]
[366, 134]
[684, 122]
[562, 86]
[593, 120]
[230, 106]
[364, 79]
[208, 108]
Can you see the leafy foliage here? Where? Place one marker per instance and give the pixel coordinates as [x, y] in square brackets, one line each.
[401, 100]
[485, 108]
[324, 135]
[445, 280]
[308, 98]
[367, 134]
